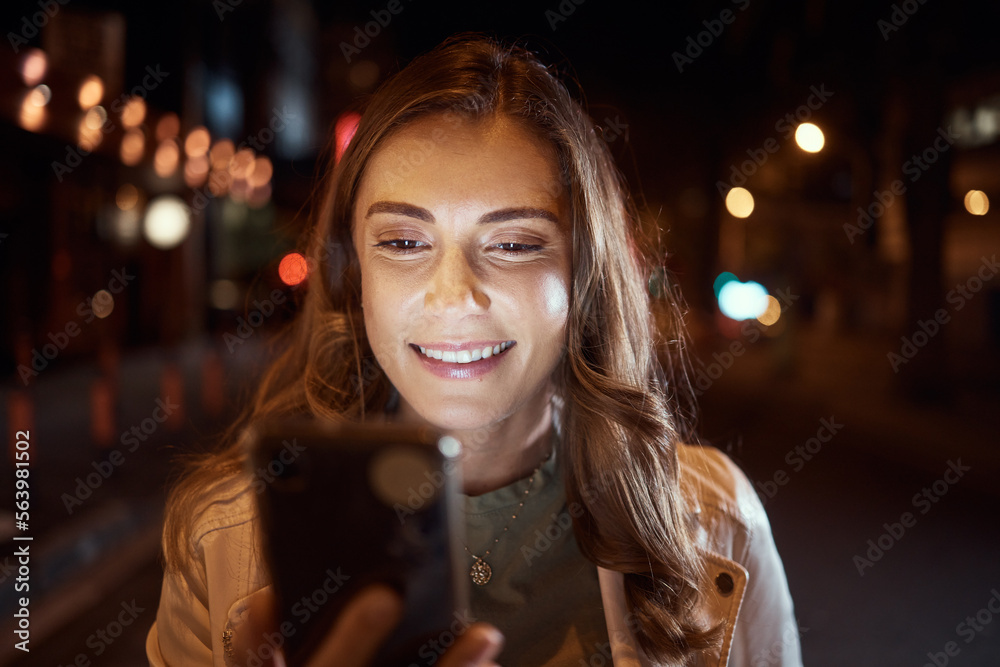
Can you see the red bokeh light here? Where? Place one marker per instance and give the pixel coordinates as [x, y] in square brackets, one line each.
[344, 129]
[293, 269]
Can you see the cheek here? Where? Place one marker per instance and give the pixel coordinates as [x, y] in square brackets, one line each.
[376, 325]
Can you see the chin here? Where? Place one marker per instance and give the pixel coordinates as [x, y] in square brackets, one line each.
[458, 417]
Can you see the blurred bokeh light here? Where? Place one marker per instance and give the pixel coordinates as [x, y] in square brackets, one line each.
[976, 202]
[739, 202]
[293, 268]
[810, 138]
[167, 222]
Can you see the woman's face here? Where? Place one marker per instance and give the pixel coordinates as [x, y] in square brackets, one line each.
[465, 253]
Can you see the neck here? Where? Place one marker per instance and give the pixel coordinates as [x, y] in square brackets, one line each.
[500, 453]
[513, 449]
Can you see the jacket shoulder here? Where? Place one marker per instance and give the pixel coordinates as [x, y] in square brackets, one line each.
[729, 521]
[718, 493]
[231, 505]
[202, 595]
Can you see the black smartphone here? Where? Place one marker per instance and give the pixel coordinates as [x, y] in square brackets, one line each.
[346, 505]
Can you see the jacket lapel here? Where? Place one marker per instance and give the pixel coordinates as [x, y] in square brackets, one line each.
[723, 586]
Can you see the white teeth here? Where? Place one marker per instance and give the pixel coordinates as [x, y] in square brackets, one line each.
[465, 356]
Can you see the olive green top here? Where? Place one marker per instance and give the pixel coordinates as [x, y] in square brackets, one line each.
[543, 594]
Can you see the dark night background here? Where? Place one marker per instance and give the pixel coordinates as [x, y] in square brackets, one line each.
[890, 330]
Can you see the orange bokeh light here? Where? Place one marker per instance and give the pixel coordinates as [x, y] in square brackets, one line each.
[31, 117]
[127, 196]
[259, 174]
[293, 269]
[33, 67]
[221, 154]
[166, 159]
[196, 171]
[134, 112]
[168, 126]
[91, 92]
[197, 142]
[241, 163]
[133, 146]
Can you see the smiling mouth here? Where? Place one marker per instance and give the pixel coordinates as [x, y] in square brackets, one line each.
[465, 356]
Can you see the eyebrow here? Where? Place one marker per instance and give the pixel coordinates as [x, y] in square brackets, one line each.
[500, 215]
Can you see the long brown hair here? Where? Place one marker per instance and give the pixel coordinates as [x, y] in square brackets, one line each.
[621, 400]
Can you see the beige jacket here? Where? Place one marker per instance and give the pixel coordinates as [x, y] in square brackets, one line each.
[745, 582]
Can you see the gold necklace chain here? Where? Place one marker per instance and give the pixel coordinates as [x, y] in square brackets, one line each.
[481, 572]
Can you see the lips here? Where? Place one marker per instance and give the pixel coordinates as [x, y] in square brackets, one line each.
[464, 354]
[463, 361]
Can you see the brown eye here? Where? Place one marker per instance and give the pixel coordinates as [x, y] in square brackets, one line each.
[400, 245]
[517, 248]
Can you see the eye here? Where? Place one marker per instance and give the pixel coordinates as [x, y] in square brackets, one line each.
[400, 246]
[511, 248]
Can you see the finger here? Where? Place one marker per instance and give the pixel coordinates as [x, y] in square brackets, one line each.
[478, 647]
[361, 628]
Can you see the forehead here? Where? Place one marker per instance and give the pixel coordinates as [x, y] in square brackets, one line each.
[493, 161]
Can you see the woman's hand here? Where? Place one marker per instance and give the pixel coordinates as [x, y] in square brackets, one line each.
[364, 624]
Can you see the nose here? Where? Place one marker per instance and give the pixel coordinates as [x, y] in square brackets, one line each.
[455, 289]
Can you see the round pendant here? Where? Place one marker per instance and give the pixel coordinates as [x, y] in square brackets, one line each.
[481, 572]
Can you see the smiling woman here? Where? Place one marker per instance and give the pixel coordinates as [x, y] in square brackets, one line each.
[465, 275]
[498, 288]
